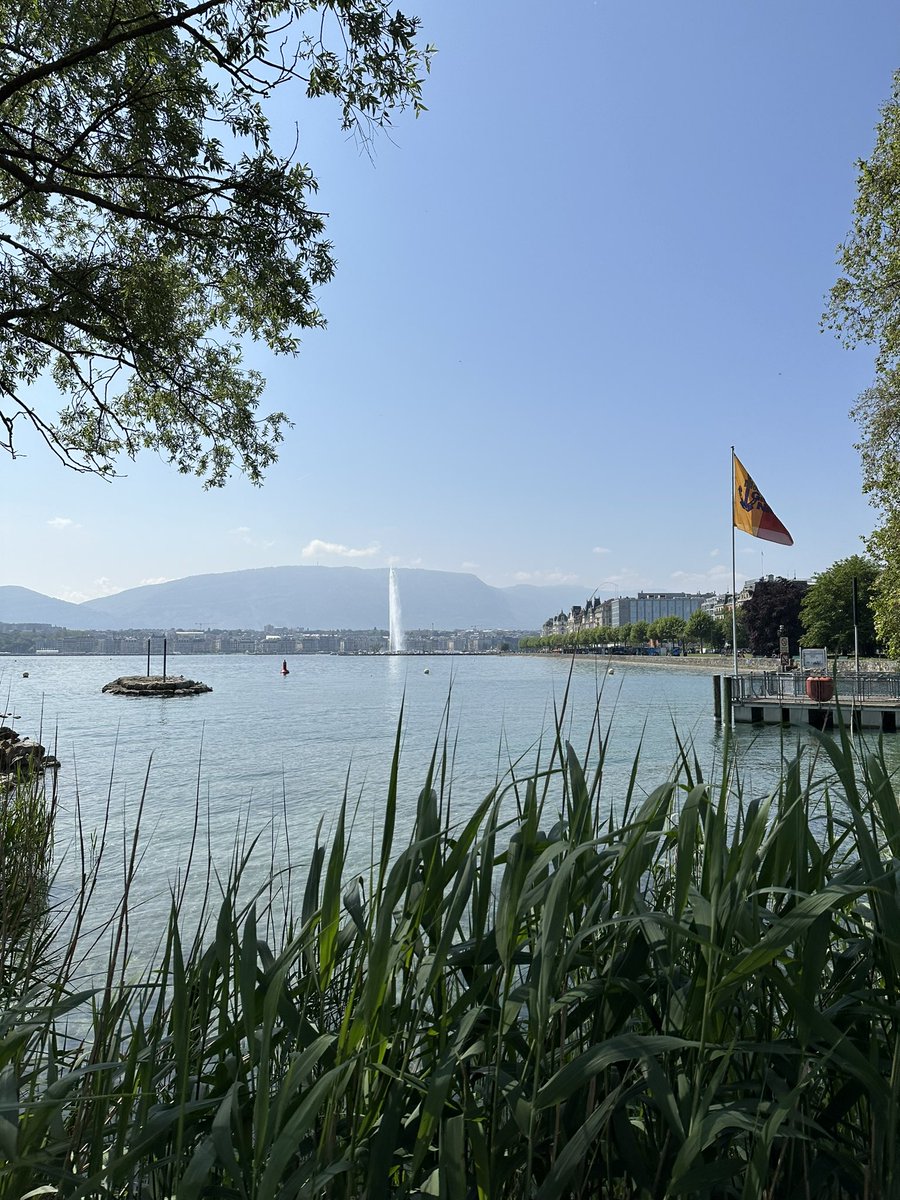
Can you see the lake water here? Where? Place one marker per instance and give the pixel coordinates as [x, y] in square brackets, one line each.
[272, 754]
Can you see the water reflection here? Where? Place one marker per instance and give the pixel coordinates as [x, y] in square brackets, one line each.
[273, 758]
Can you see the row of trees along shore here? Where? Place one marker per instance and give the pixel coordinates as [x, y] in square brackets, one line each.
[816, 614]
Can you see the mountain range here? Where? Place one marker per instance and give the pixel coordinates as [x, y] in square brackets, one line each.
[311, 597]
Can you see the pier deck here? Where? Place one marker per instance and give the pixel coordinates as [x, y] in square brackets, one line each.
[867, 702]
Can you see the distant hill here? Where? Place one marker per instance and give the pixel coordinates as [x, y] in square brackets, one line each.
[21, 606]
[302, 598]
[327, 598]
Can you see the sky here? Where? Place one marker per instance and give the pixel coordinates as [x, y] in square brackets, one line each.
[597, 262]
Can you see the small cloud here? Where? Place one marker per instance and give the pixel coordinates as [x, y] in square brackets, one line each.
[244, 534]
[601, 550]
[72, 596]
[319, 549]
[97, 589]
[624, 582]
[714, 553]
[716, 579]
[63, 523]
[105, 587]
[544, 578]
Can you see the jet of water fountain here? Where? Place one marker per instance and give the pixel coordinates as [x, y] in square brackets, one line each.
[396, 641]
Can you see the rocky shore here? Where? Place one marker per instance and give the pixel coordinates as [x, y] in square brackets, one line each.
[21, 757]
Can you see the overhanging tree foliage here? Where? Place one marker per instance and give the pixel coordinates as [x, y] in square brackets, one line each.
[865, 307]
[865, 302]
[150, 227]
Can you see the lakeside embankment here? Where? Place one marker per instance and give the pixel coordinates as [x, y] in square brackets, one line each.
[717, 664]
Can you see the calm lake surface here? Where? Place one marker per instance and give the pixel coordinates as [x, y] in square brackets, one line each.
[272, 755]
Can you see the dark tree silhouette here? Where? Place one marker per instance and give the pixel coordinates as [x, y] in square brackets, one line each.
[774, 603]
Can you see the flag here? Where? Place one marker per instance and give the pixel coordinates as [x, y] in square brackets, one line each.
[751, 513]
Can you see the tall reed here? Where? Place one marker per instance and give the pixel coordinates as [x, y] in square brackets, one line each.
[683, 991]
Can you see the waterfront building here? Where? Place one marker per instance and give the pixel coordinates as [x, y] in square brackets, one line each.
[625, 610]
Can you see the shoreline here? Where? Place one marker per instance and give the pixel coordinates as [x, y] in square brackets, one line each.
[716, 664]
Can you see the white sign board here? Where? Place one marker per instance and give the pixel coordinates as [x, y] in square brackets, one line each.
[813, 660]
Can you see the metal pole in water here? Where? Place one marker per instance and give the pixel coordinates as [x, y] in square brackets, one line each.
[164, 658]
[717, 699]
[148, 658]
[727, 683]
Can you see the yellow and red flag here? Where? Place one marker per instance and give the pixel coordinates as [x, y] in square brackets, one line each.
[751, 513]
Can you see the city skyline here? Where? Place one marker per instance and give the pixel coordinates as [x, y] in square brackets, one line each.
[562, 295]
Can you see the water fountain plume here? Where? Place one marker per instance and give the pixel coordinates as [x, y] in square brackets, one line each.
[396, 642]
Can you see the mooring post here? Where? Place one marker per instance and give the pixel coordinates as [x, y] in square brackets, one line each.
[148, 658]
[717, 699]
[727, 683]
[164, 658]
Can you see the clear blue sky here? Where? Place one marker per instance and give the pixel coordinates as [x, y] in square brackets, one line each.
[596, 262]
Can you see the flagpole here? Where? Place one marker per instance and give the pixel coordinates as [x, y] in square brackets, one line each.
[733, 576]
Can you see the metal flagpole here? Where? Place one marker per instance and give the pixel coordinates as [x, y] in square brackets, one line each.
[733, 576]
[855, 635]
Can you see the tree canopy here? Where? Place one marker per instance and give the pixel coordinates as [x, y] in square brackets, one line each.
[639, 632]
[667, 629]
[703, 629]
[864, 306]
[150, 225]
[774, 604]
[727, 628]
[827, 608]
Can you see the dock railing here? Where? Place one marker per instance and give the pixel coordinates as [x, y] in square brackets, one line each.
[788, 685]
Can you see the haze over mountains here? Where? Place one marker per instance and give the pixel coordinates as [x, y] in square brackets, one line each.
[300, 598]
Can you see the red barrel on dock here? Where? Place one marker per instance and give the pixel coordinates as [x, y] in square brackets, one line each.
[820, 688]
